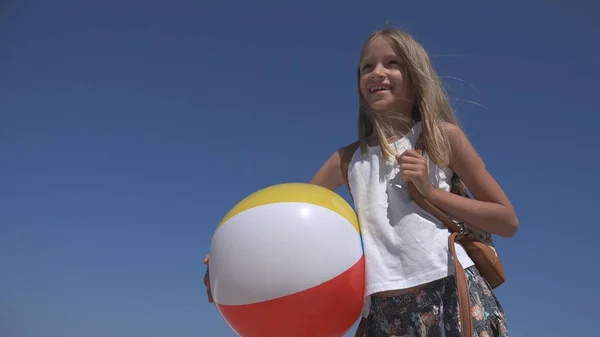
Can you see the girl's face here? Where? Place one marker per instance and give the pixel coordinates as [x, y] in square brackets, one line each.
[384, 82]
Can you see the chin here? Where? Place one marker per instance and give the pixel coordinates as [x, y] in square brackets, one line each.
[381, 106]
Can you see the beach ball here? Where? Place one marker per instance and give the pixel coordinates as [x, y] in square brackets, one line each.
[287, 261]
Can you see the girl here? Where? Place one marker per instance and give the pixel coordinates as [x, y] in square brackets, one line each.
[410, 284]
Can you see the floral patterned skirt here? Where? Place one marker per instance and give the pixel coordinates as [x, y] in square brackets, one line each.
[432, 311]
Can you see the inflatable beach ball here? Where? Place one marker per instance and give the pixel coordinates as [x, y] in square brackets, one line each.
[287, 261]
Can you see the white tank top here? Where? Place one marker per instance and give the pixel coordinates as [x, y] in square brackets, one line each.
[404, 245]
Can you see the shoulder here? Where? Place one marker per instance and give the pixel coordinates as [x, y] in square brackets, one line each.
[345, 154]
[348, 150]
[332, 173]
[464, 159]
[460, 146]
[342, 154]
[453, 131]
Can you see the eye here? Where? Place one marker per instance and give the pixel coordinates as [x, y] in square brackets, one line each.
[366, 68]
[395, 63]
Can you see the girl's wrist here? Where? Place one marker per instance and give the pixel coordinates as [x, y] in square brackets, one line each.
[436, 196]
[430, 192]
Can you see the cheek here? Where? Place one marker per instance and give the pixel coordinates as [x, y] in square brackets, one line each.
[404, 87]
[363, 86]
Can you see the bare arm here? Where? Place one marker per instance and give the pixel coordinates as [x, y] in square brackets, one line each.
[329, 174]
[491, 210]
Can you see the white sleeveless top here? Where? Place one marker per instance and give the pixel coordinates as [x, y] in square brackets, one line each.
[404, 246]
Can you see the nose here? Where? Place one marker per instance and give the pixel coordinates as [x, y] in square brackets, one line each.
[377, 72]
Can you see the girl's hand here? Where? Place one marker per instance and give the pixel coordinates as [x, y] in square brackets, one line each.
[207, 281]
[413, 168]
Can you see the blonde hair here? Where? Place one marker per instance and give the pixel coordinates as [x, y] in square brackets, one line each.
[430, 105]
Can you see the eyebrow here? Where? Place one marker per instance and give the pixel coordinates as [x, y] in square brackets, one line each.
[386, 56]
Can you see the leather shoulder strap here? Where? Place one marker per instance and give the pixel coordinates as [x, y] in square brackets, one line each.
[425, 204]
[462, 287]
[429, 207]
[462, 291]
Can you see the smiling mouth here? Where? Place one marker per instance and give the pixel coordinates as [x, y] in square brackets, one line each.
[380, 88]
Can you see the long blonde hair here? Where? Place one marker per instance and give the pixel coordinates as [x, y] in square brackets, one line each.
[431, 105]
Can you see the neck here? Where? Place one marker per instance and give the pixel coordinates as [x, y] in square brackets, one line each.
[397, 121]
[400, 123]
[400, 118]
[401, 127]
[399, 130]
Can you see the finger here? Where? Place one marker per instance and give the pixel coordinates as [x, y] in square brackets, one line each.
[410, 167]
[418, 165]
[207, 285]
[412, 176]
[411, 153]
[411, 160]
[401, 155]
[207, 281]
[209, 295]
[399, 158]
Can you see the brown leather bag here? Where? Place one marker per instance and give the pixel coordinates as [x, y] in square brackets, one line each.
[478, 244]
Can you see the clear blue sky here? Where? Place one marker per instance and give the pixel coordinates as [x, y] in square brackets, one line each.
[128, 129]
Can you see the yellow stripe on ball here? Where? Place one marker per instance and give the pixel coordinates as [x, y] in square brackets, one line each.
[297, 192]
